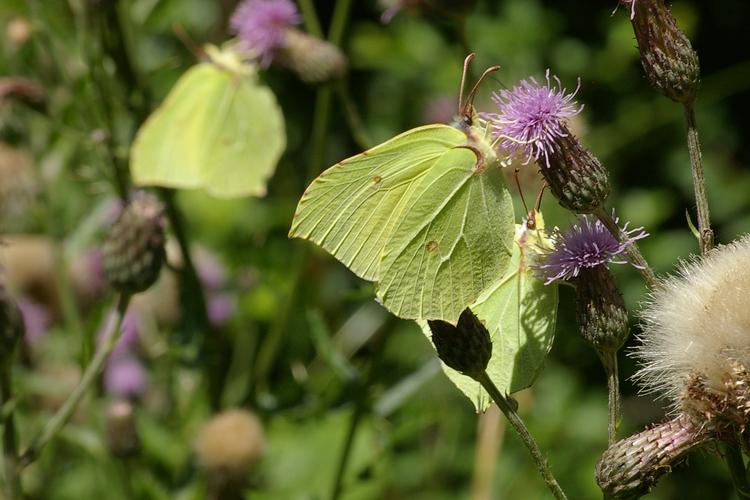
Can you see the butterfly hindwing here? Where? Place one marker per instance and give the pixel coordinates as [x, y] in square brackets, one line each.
[417, 217]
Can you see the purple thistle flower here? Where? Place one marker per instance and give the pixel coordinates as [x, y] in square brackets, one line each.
[36, 320]
[587, 244]
[261, 26]
[532, 117]
[221, 307]
[125, 377]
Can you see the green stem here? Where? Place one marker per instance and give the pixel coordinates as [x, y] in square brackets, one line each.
[634, 253]
[339, 21]
[195, 311]
[361, 405]
[312, 23]
[609, 361]
[63, 414]
[699, 182]
[10, 444]
[338, 483]
[510, 413]
[733, 457]
[351, 113]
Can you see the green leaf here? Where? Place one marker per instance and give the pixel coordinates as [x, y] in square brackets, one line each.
[520, 313]
[218, 129]
[426, 216]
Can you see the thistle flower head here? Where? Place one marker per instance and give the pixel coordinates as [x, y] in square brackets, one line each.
[125, 377]
[695, 346]
[533, 116]
[262, 25]
[587, 244]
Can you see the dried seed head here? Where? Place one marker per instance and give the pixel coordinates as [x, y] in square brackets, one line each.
[630, 467]
[465, 347]
[134, 250]
[695, 346]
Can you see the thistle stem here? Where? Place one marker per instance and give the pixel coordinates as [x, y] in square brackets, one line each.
[733, 457]
[609, 361]
[63, 414]
[515, 420]
[636, 257]
[10, 445]
[706, 234]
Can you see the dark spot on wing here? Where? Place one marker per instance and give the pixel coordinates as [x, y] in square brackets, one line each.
[431, 246]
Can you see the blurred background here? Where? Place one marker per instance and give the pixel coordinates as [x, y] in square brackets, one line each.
[298, 339]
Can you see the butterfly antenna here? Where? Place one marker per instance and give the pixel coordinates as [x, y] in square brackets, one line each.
[467, 61]
[538, 202]
[520, 191]
[470, 97]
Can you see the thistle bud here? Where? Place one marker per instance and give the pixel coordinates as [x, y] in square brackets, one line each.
[600, 309]
[122, 437]
[312, 59]
[575, 177]
[465, 347]
[134, 249]
[668, 58]
[630, 467]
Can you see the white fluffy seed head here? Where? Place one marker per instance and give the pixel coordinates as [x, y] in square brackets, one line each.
[697, 325]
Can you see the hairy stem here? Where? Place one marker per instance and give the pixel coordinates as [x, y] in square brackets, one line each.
[609, 361]
[510, 413]
[63, 414]
[10, 445]
[634, 253]
[706, 234]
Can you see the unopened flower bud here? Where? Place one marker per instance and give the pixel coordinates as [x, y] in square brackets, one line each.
[465, 347]
[312, 59]
[574, 175]
[600, 309]
[134, 250]
[122, 437]
[630, 467]
[668, 58]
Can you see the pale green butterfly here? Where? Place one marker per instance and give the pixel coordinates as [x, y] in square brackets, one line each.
[218, 129]
[425, 215]
[520, 314]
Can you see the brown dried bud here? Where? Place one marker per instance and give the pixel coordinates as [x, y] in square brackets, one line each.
[465, 347]
[574, 175]
[630, 467]
[312, 59]
[668, 58]
[600, 309]
[134, 250]
[122, 437]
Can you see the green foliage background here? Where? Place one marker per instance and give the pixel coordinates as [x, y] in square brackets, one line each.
[307, 336]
